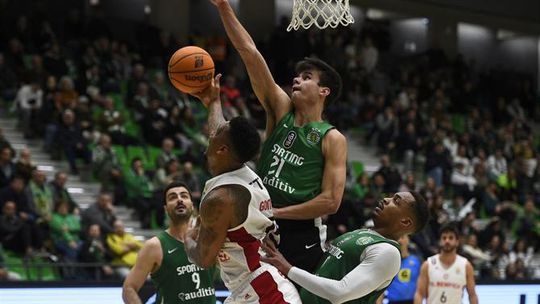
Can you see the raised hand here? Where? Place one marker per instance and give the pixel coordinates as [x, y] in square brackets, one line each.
[211, 93]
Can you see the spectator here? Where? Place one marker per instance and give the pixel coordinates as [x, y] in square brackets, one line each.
[111, 122]
[14, 231]
[65, 229]
[93, 250]
[438, 164]
[24, 165]
[60, 192]
[522, 251]
[124, 248]
[7, 167]
[167, 153]
[391, 175]
[70, 137]
[478, 257]
[154, 123]
[139, 191]
[369, 55]
[29, 101]
[100, 213]
[105, 165]
[190, 178]
[41, 198]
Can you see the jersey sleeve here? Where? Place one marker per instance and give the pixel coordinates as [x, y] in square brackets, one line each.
[380, 263]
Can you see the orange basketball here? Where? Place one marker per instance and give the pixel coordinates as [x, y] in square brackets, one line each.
[191, 69]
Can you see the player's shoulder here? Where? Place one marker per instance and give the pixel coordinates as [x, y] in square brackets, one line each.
[152, 244]
[335, 135]
[334, 140]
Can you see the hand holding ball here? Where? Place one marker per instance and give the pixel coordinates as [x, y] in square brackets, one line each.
[191, 69]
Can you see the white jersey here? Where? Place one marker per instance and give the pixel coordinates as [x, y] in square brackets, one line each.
[243, 273]
[446, 284]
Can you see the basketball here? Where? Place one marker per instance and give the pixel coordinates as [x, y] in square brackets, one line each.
[191, 69]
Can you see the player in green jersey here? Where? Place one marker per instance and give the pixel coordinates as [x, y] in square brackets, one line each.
[303, 160]
[359, 265]
[164, 257]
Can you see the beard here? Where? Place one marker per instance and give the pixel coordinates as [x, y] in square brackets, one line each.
[448, 248]
[179, 217]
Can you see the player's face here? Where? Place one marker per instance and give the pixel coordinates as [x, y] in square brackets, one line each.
[178, 204]
[394, 210]
[448, 242]
[306, 86]
[216, 146]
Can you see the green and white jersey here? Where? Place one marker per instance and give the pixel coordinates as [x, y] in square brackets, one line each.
[292, 164]
[343, 255]
[178, 280]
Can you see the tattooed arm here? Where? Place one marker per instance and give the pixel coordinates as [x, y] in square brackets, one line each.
[223, 208]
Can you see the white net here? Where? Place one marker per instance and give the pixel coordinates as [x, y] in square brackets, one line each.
[321, 13]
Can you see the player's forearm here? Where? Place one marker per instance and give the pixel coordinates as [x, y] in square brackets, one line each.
[321, 205]
[418, 298]
[236, 32]
[130, 296]
[215, 116]
[196, 254]
[473, 299]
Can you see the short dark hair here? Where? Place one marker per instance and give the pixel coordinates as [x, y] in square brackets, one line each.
[244, 138]
[421, 211]
[329, 77]
[450, 228]
[174, 184]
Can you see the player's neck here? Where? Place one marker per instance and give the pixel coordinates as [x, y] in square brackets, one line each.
[387, 234]
[448, 258]
[178, 231]
[307, 114]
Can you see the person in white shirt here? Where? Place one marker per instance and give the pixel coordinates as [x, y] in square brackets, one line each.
[444, 275]
[28, 101]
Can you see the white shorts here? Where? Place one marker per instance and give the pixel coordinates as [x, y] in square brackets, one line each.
[268, 287]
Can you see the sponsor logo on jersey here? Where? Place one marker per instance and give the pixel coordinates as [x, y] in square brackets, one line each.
[404, 275]
[289, 140]
[265, 205]
[200, 293]
[288, 156]
[313, 137]
[364, 240]
[188, 269]
[335, 251]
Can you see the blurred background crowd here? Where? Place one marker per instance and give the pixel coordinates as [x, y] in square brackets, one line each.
[467, 139]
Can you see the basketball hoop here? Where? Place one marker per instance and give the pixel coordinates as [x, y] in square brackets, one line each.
[321, 13]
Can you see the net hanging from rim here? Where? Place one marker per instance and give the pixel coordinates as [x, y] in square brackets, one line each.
[321, 13]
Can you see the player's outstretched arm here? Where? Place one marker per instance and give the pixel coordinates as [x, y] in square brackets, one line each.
[471, 290]
[148, 260]
[422, 284]
[210, 98]
[380, 265]
[216, 215]
[333, 183]
[274, 100]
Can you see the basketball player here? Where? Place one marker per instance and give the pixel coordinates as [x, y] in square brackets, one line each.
[303, 161]
[235, 212]
[403, 287]
[444, 275]
[359, 265]
[163, 257]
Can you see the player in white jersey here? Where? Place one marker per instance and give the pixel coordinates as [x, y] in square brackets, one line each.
[235, 212]
[444, 275]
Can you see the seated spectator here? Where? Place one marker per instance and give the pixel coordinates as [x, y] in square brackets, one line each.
[93, 250]
[140, 191]
[111, 121]
[463, 183]
[438, 164]
[190, 178]
[24, 165]
[124, 248]
[154, 123]
[60, 192]
[521, 251]
[7, 167]
[100, 213]
[41, 198]
[105, 165]
[391, 175]
[166, 154]
[70, 137]
[475, 254]
[14, 231]
[65, 229]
